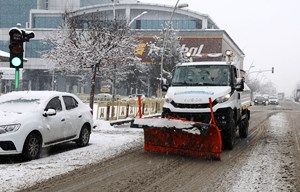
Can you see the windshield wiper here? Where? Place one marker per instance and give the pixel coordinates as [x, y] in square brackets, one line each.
[180, 84]
[186, 84]
[211, 84]
[195, 84]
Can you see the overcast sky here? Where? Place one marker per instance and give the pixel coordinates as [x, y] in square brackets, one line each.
[268, 32]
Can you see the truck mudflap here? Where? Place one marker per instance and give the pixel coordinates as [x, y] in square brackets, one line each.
[179, 136]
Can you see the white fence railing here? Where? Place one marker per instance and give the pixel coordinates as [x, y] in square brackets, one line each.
[127, 109]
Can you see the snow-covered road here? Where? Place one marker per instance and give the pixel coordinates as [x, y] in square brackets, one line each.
[105, 142]
[268, 160]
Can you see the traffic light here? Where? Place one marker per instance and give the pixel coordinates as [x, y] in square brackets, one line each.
[272, 69]
[17, 39]
[16, 48]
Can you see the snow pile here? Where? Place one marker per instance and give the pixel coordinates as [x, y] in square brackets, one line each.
[106, 141]
[187, 126]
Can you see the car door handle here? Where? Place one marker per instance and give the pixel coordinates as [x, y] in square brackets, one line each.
[79, 116]
[63, 119]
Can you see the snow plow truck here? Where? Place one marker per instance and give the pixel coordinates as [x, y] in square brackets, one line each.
[205, 105]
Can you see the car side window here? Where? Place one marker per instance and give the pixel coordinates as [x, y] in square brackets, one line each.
[54, 103]
[70, 102]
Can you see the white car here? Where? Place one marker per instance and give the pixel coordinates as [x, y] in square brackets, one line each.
[273, 100]
[267, 98]
[31, 120]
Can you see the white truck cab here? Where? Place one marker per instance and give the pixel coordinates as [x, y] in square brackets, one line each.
[195, 82]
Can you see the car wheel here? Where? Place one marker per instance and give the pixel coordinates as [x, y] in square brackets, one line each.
[32, 147]
[84, 137]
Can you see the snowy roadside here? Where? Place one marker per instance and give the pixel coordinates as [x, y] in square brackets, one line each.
[270, 165]
[106, 141]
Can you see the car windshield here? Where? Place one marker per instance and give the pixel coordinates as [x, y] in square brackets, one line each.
[201, 75]
[18, 105]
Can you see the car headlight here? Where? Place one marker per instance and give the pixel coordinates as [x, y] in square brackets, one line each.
[9, 128]
[168, 99]
[223, 98]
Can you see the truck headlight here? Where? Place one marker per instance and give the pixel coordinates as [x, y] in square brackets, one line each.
[223, 98]
[9, 128]
[168, 99]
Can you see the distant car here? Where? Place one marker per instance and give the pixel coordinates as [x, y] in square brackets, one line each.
[259, 100]
[273, 100]
[266, 96]
[103, 97]
[31, 120]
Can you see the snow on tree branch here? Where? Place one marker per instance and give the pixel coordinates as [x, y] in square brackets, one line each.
[89, 44]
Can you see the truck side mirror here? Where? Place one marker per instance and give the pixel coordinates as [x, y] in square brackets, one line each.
[165, 87]
[240, 84]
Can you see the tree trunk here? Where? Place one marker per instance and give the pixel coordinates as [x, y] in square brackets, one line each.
[92, 93]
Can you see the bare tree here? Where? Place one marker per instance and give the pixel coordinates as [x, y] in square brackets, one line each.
[91, 44]
[172, 54]
[257, 86]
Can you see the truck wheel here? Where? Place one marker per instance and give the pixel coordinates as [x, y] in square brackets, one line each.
[228, 136]
[244, 126]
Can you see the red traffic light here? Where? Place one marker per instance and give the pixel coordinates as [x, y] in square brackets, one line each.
[15, 48]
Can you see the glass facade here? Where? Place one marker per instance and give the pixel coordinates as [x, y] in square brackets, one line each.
[36, 48]
[158, 24]
[47, 22]
[15, 11]
[4, 45]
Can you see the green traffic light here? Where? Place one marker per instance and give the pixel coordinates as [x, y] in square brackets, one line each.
[16, 61]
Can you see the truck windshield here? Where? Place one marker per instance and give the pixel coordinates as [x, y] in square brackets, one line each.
[202, 75]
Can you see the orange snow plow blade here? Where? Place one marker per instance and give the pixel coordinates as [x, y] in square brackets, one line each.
[168, 140]
[179, 136]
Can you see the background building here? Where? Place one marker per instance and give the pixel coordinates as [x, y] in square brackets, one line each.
[199, 34]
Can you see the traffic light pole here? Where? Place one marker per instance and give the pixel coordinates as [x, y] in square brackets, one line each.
[17, 77]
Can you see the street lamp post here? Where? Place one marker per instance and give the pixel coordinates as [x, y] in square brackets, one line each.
[164, 43]
[132, 20]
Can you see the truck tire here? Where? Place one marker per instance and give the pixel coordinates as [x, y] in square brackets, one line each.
[244, 126]
[229, 134]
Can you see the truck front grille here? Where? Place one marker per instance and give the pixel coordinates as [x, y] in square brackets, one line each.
[193, 106]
